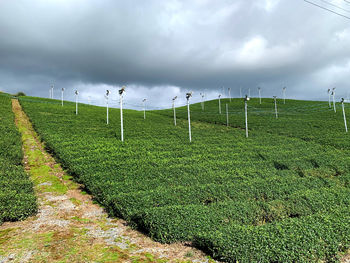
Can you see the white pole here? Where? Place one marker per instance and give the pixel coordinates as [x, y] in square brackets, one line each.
[144, 108]
[229, 93]
[107, 97]
[52, 91]
[342, 104]
[121, 113]
[246, 114]
[333, 93]
[259, 89]
[220, 104]
[226, 115]
[76, 102]
[174, 109]
[188, 96]
[275, 98]
[202, 102]
[62, 96]
[284, 95]
[329, 98]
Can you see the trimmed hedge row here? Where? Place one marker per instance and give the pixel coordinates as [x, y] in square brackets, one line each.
[175, 190]
[314, 238]
[126, 205]
[173, 223]
[17, 198]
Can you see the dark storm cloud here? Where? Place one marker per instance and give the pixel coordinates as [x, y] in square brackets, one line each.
[172, 46]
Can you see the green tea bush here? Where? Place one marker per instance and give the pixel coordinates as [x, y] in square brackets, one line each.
[225, 192]
[17, 199]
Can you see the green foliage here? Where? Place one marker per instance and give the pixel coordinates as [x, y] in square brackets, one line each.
[17, 199]
[18, 94]
[279, 196]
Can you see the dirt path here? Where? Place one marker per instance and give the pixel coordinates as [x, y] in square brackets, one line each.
[69, 227]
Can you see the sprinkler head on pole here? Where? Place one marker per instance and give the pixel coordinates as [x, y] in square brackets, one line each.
[121, 91]
[342, 100]
[246, 98]
[188, 95]
[107, 92]
[62, 89]
[144, 100]
[76, 92]
[174, 98]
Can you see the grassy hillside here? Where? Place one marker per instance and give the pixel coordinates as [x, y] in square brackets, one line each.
[17, 199]
[279, 196]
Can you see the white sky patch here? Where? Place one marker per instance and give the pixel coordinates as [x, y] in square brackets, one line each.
[157, 97]
[334, 76]
[268, 5]
[253, 50]
[256, 53]
[343, 35]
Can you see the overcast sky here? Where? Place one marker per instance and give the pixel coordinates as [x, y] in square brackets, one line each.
[162, 48]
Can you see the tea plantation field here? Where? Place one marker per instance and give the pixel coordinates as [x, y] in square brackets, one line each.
[281, 195]
[17, 199]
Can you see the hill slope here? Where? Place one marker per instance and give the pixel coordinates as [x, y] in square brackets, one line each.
[276, 196]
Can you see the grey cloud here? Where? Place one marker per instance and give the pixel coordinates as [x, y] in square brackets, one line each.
[193, 45]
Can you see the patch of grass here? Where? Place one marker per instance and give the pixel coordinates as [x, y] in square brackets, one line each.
[83, 220]
[75, 201]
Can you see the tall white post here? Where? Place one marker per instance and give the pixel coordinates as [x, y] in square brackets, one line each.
[329, 98]
[144, 108]
[220, 104]
[226, 115]
[333, 93]
[188, 96]
[121, 91]
[174, 109]
[202, 102]
[259, 89]
[229, 93]
[76, 102]
[52, 91]
[275, 98]
[342, 104]
[246, 99]
[284, 95]
[107, 97]
[62, 96]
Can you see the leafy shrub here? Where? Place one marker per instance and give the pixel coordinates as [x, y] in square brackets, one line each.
[17, 199]
[239, 199]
